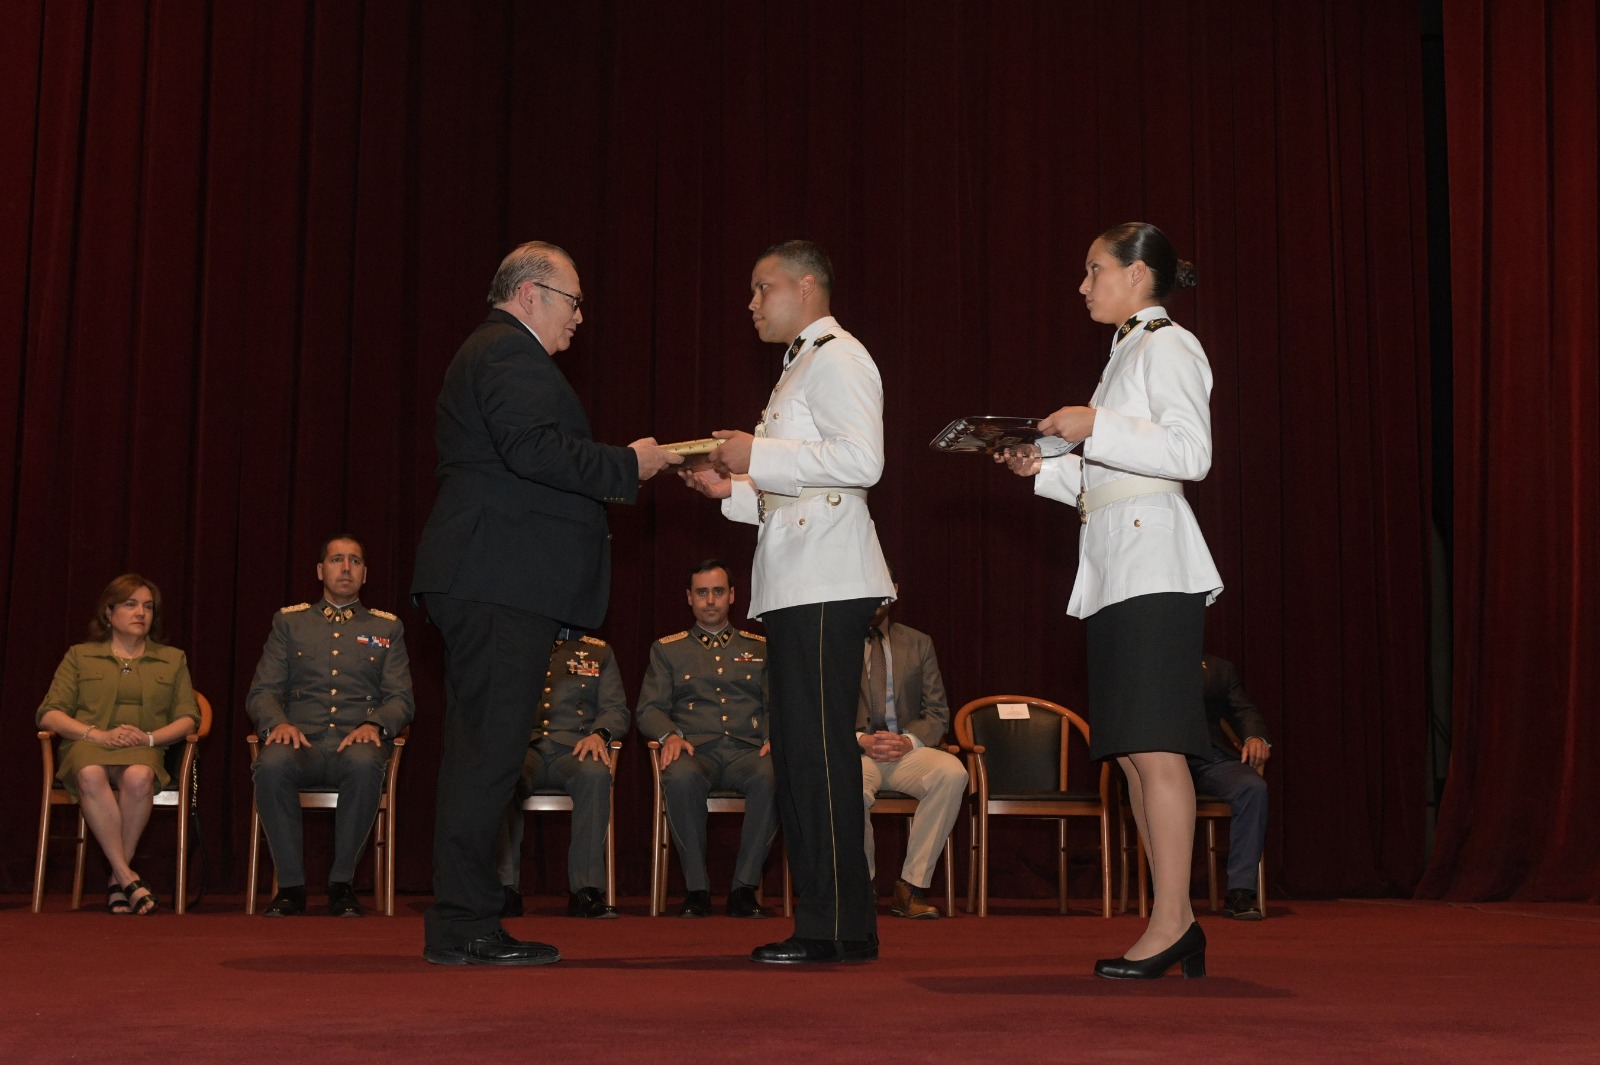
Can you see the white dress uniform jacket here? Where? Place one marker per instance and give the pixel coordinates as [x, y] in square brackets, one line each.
[823, 427]
[1152, 419]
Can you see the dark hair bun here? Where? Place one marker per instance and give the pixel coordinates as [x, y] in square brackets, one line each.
[1185, 276]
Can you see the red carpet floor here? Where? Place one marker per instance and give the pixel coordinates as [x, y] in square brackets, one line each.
[1317, 981]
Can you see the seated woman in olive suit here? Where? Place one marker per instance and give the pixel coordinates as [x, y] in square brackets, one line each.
[116, 701]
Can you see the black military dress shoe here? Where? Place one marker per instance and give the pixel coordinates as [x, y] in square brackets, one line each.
[588, 902]
[496, 948]
[511, 904]
[288, 902]
[742, 902]
[797, 950]
[342, 901]
[696, 904]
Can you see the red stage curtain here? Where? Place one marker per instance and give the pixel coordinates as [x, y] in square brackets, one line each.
[1518, 810]
[240, 243]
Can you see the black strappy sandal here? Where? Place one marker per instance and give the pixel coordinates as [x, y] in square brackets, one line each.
[117, 900]
[142, 907]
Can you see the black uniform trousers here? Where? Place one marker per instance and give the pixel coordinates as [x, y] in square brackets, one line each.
[496, 660]
[814, 676]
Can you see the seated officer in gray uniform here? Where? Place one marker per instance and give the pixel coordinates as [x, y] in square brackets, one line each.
[704, 698]
[1234, 776]
[331, 691]
[582, 708]
[901, 720]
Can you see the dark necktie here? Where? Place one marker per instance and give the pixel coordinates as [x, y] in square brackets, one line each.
[877, 686]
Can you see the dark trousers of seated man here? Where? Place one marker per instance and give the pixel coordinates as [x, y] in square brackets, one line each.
[721, 764]
[553, 765]
[356, 773]
[1245, 792]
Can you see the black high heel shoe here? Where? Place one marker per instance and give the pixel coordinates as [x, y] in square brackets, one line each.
[1189, 951]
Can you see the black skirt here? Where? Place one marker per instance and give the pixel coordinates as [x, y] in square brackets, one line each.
[1146, 687]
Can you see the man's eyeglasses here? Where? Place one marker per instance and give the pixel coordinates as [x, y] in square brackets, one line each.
[548, 288]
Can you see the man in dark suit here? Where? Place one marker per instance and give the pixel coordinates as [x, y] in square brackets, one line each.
[1233, 774]
[517, 546]
[902, 717]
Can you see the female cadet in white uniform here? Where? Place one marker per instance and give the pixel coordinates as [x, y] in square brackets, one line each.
[1145, 576]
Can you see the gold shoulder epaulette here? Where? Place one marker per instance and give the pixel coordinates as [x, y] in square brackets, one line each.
[675, 637]
[1156, 323]
[597, 641]
[384, 614]
[295, 609]
[753, 635]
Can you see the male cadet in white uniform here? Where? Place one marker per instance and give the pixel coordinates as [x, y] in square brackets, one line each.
[331, 691]
[704, 698]
[903, 716]
[581, 710]
[818, 575]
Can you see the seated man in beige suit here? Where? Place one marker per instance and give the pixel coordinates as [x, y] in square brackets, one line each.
[902, 717]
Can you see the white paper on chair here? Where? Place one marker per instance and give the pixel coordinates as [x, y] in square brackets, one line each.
[1013, 711]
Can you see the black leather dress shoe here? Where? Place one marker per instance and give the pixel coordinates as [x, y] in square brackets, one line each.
[1189, 952]
[797, 950]
[588, 902]
[496, 948]
[742, 902]
[288, 902]
[342, 901]
[1241, 905]
[696, 904]
[512, 904]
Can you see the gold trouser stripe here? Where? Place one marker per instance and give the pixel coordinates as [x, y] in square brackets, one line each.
[827, 764]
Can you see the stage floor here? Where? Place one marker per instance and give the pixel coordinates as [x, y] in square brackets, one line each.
[1369, 981]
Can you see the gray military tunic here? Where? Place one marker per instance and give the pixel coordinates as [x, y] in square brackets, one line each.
[327, 672]
[711, 689]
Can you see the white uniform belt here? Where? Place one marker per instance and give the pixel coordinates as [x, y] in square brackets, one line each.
[767, 502]
[1120, 489]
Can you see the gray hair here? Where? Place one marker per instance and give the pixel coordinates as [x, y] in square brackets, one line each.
[533, 261]
[801, 257]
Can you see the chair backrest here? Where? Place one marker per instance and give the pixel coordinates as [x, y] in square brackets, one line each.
[1021, 755]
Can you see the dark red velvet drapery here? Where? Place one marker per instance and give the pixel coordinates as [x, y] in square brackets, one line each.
[1518, 812]
[239, 244]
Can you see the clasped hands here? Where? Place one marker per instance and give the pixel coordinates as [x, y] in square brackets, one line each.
[885, 746]
[122, 736]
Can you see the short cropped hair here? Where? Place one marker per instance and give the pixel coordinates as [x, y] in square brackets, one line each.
[120, 590]
[801, 257]
[533, 261]
[340, 536]
[706, 565]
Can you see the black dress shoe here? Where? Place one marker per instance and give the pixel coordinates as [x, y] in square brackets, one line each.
[696, 904]
[1189, 951]
[288, 902]
[797, 950]
[496, 948]
[588, 902]
[512, 904]
[742, 902]
[342, 901]
[1241, 905]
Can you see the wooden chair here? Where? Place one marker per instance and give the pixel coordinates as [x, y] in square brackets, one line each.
[1019, 767]
[718, 802]
[1208, 809]
[899, 804]
[383, 829]
[181, 795]
[555, 800]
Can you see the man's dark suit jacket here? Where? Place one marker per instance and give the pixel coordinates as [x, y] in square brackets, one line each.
[520, 518]
[1227, 701]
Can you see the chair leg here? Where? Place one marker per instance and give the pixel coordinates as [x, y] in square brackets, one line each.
[788, 885]
[83, 849]
[1105, 863]
[972, 860]
[253, 868]
[657, 862]
[950, 875]
[1144, 878]
[1211, 863]
[182, 900]
[611, 857]
[1061, 863]
[983, 863]
[1261, 886]
[44, 847]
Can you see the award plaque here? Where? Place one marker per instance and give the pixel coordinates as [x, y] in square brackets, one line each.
[694, 452]
[990, 434]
